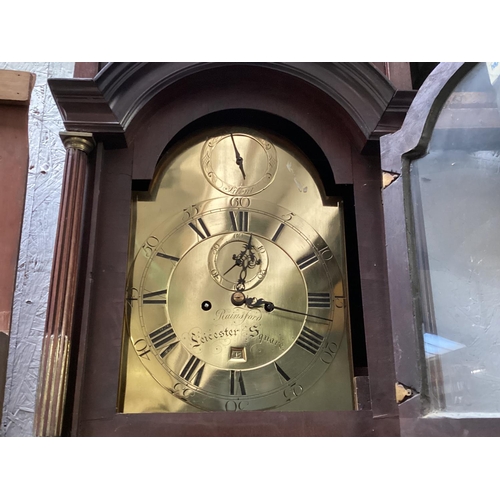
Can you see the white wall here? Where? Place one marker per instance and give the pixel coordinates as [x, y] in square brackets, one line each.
[37, 242]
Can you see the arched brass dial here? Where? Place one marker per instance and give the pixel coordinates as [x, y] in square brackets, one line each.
[236, 298]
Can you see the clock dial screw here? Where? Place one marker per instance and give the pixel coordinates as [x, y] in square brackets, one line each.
[206, 305]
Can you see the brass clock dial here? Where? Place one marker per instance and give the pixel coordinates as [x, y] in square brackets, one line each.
[234, 303]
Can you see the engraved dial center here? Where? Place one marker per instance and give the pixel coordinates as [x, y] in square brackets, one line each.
[227, 336]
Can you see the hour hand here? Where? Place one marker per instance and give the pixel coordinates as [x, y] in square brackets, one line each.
[239, 159]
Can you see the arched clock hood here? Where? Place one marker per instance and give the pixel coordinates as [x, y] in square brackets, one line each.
[123, 97]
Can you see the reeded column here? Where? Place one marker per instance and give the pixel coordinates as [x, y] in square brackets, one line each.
[61, 304]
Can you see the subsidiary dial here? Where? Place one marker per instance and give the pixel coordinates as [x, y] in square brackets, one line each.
[239, 163]
[238, 261]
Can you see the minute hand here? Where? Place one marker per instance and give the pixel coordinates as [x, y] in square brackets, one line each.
[269, 306]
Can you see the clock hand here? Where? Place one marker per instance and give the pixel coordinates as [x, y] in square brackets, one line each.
[253, 303]
[241, 259]
[246, 260]
[238, 262]
[239, 159]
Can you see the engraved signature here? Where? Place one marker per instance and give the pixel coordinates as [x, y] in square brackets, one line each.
[238, 316]
[198, 339]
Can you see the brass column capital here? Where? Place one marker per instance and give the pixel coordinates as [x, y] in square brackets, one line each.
[84, 141]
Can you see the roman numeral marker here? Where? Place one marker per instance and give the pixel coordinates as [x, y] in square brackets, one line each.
[165, 256]
[193, 370]
[236, 378]
[281, 372]
[278, 232]
[147, 300]
[164, 337]
[319, 300]
[307, 261]
[309, 340]
[239, 220]
[204, 233]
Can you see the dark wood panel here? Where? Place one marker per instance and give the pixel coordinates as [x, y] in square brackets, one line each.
[407, 349]
[351, 423]
[104, 335]
[374, 285]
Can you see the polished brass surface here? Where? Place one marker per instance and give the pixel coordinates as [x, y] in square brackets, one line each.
[236, 301]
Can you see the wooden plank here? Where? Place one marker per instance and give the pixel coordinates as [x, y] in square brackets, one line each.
[13, 176]
[16, 87]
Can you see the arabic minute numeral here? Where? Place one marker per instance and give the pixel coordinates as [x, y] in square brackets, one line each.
[150, 245]
[328, 354]
[142, 348]
[293, 391]
[235, 405]
[240, 202]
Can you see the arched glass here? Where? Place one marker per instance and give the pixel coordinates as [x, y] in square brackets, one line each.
[455, 191]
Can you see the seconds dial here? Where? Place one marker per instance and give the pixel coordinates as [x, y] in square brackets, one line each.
[239, 163]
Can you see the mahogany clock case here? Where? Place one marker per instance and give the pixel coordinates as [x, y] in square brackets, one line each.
[325, 133]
